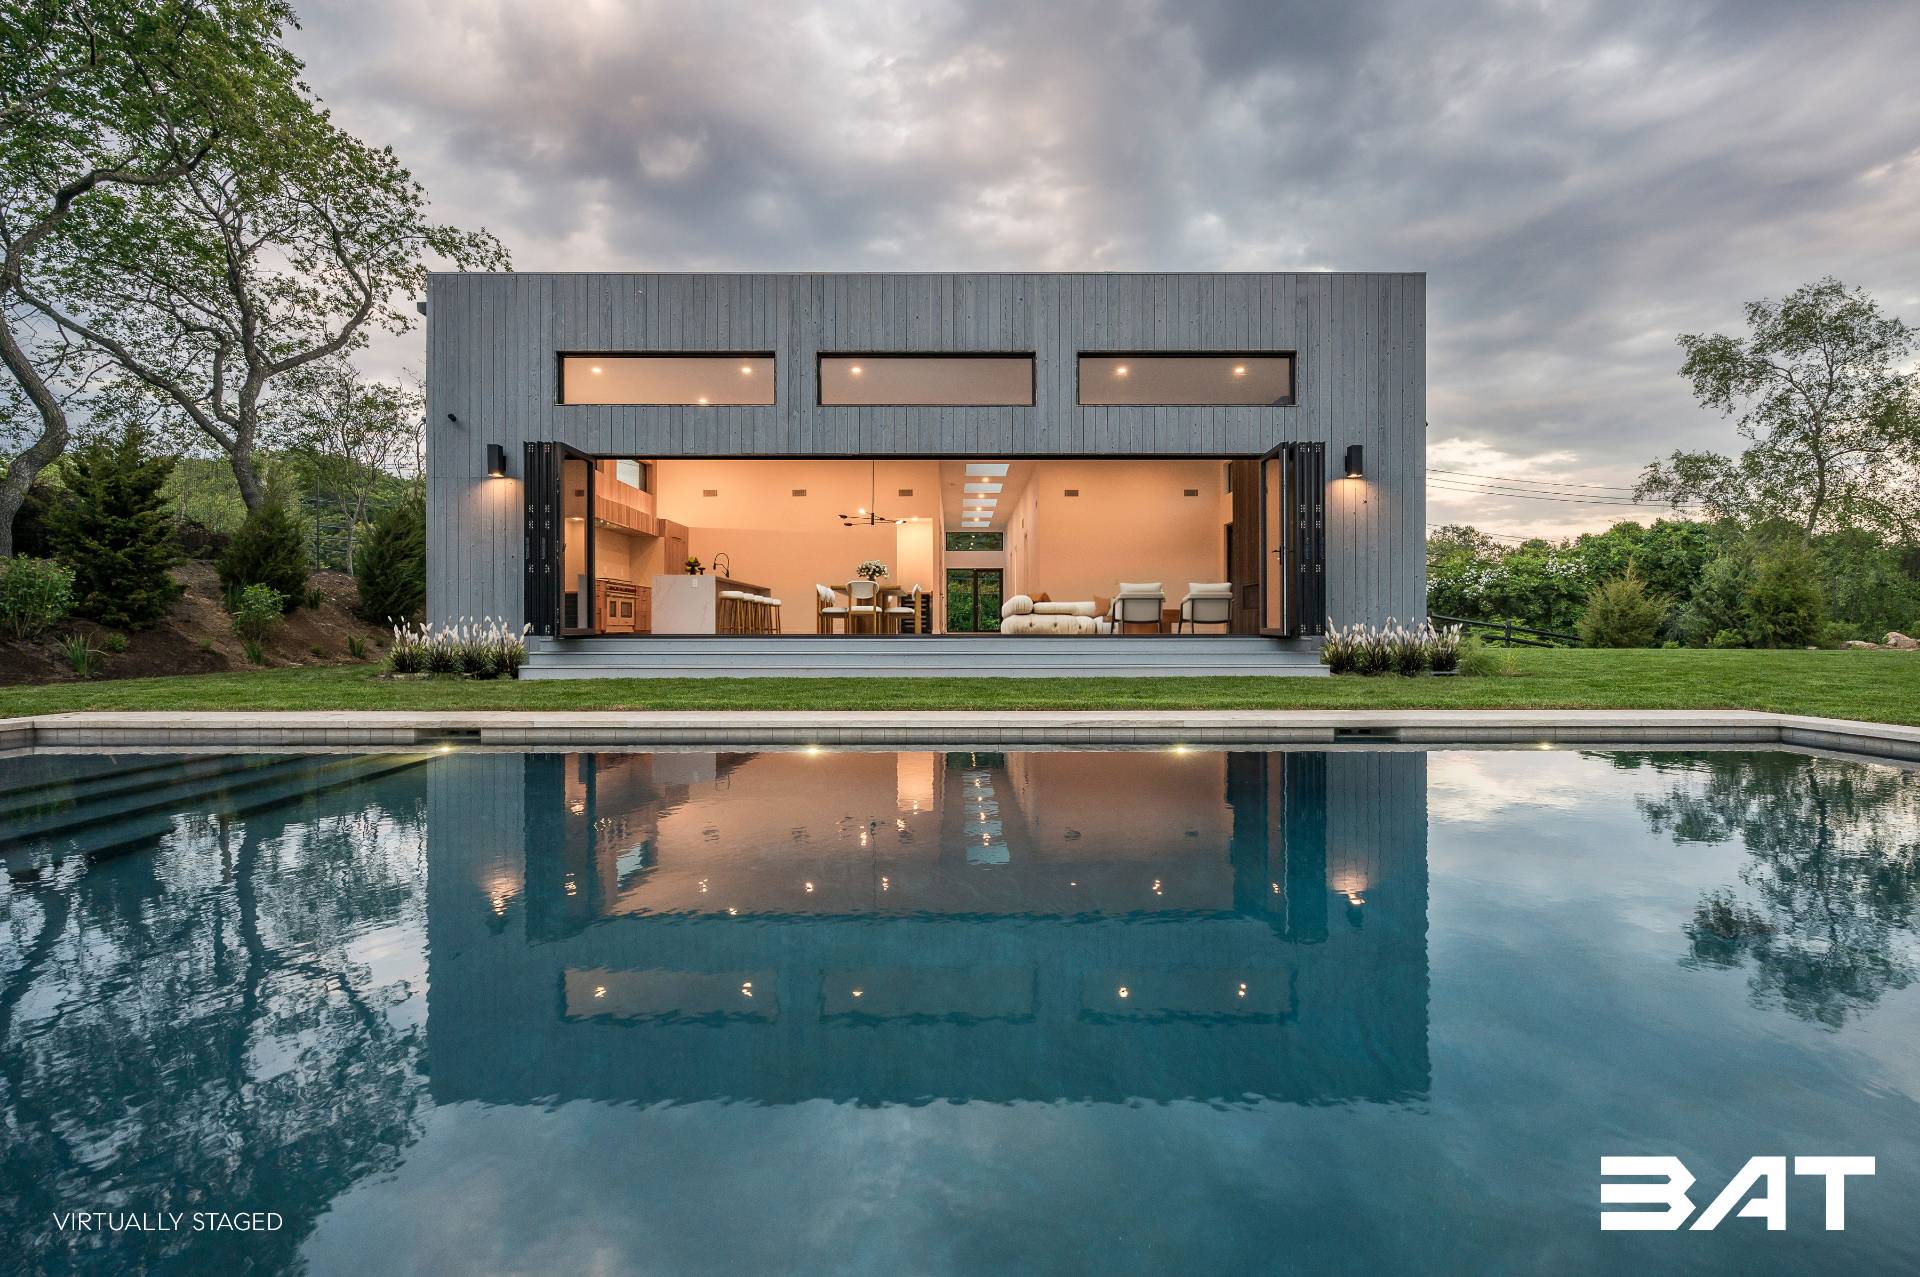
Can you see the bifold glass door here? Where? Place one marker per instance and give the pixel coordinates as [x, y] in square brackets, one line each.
[1293, 540]
[558, 546]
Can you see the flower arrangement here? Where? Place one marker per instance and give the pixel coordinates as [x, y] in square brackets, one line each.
[872, 569]
[483, 648]
[695, 567]
[1391, 648]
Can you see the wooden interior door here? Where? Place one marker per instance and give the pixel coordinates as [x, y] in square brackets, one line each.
[1277, 603]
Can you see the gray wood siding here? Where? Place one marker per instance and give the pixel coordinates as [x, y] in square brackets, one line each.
[492, 362]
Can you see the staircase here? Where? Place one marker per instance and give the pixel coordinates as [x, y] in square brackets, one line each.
[797, 656]
[100, 806]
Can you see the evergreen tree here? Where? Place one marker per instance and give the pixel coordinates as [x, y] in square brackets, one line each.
[114, 531]
[390, 565]
[269, 549]
[1784, 607]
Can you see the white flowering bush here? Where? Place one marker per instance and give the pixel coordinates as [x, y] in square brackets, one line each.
[479, 648]
[1390, 649]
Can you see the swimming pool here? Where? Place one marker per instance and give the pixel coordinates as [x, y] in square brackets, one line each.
[958, 1011]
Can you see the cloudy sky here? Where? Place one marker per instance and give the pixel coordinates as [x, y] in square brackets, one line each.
[1580, 181]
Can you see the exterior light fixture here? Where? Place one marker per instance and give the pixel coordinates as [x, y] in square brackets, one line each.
[856, 370]
[1120, 371]
[1239, 370]
[1356, 458]
[746, 370]
[496, 461]
[596, 368]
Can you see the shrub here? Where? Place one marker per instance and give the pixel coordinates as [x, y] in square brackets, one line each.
[1783, 606]
[83, 656]
[1727, 639]
[35, 594]
[1337, 649]
[114, 642]
[390, 565]
[257, 610]
[1479, 659]
[1718, 603]
[114, 531]
[1621, 613]
[482, 649]
[1408, 650]
[356, 647]
[267, 550]
[313, 600]
[255, 652]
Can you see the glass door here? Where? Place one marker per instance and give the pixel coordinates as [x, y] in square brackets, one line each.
[973, 600]
[558, 545]
[1293, 542]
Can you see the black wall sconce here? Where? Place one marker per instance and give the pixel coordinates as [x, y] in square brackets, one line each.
[1356, 459]
[496, 461]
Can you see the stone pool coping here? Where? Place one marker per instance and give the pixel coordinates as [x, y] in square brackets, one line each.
[948, 727]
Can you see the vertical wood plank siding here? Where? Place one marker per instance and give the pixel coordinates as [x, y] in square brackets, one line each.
[492, 363]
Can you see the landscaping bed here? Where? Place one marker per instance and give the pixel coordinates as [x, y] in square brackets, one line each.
[1874, 686]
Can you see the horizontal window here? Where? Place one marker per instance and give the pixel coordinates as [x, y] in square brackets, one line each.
[978, 381]
[715, 380]
[1191, 380]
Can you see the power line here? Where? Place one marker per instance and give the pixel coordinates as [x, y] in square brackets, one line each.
[1531, 483]
[1447, 486]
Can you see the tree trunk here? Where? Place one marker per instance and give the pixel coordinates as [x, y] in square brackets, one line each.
[44, 451]
[253, 493]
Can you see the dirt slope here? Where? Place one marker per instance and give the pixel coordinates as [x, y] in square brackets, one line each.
[197, 636]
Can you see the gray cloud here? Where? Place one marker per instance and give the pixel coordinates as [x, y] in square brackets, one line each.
[1580, 181]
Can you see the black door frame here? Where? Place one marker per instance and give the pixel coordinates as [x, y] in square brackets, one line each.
[1295, 561]
[544, 549]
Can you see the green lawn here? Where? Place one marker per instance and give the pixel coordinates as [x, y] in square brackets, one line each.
[1884, 686]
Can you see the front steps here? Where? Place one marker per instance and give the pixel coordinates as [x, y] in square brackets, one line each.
[797, 656]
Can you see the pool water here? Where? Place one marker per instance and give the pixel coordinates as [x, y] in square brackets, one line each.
[1166, 1011]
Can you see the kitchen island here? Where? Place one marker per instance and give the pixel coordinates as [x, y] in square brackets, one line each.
[692, 604]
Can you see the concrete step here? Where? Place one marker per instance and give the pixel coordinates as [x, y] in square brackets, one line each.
[1271, 669]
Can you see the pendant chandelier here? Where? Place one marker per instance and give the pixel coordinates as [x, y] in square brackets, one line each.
[866, 515]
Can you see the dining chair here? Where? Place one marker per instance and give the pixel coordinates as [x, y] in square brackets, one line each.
[863, 604]
[898, 614]
[827, 611]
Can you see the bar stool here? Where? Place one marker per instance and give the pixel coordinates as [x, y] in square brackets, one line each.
[733, 613]
[769, 610]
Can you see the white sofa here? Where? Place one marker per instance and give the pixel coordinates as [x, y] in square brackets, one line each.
[1020, 615]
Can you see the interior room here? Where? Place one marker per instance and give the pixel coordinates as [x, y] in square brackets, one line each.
[904, 547]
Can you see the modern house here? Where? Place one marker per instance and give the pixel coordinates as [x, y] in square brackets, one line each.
[920, 474]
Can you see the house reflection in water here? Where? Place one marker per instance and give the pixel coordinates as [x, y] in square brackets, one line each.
[903, 928]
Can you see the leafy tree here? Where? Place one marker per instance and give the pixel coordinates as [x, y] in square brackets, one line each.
[99, 98]
[269, 549]
[282, 248]
[1783, 604]
[1866, 583]
[391, 568]
[1620, 613]
[353, 436]
[1830, 410]
[113, 531]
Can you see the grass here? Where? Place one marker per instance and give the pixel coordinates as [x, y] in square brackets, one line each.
[1880, 686]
